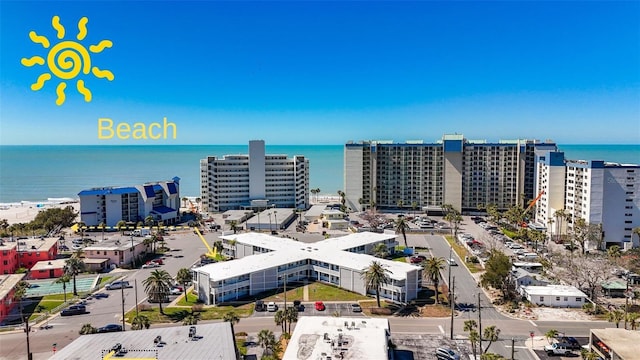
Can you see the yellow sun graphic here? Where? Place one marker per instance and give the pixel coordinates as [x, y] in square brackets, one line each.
[66, 59]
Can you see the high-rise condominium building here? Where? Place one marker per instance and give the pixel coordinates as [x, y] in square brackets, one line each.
[255, 180]
[454, 170]
[604, 194]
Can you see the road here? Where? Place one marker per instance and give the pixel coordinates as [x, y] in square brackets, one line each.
[109, 310]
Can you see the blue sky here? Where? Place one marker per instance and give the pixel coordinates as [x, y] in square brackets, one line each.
[329, 72]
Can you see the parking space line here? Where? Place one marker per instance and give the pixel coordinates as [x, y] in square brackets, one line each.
[441, 329]
[532, 323]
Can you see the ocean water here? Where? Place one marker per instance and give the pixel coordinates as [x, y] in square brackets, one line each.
[35, 173]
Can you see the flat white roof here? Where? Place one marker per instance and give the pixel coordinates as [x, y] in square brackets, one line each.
[315, 211]
[623, 342]
[287, 251]
[317, 337]
[49, 264]
[554, 290]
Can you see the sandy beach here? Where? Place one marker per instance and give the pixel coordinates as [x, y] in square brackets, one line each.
[26, 211]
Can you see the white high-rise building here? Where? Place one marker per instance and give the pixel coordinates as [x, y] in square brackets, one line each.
[256, 180]
[602, 193]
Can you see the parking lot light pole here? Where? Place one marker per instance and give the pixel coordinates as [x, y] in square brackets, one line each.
[122, 295]
[452, 297]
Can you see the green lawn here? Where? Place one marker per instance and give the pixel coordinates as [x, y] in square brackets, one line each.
[193, 300]
[104, 280]
[400, 259]
[43, 307]
[176, 314]
[324, 292]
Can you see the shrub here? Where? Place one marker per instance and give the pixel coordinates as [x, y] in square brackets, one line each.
[197, 308]
[144, 307]
[381, 311]
[241, 333]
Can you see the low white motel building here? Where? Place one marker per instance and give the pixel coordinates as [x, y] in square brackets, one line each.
[264, 262]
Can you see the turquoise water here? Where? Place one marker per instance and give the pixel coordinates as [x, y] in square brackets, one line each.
[35, 173]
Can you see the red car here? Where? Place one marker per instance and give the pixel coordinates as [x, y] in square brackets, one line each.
[417, 259]
[320, 306]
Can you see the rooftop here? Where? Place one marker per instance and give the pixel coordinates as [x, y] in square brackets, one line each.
[49, 264]
[30, 244]
[213, 341]
[8, 282]
[557, 290]
[318, 337]
[622, 342]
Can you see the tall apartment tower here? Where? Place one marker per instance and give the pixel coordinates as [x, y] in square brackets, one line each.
[254, 180]
[602, 193]
[456, 171]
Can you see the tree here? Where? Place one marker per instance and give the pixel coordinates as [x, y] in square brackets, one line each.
[414, 207]
[432, 267]
[401, 227]
[54, 218]
[266, 339]
[589, 355]
[121, 225]
[64, 279]
[614, 253]
[157, 286]
[87, 329]
[615, 316]
[279, 319]
[149, 221]
[496, 275]
[471, 327]
[290, 316]
[494, 214]
[140, 322]
[453, 216]
[560, 215]
[550, 335]
[184, 277]
[632, 319]
[73, 267]
[376, 276]
[491, 334]
[234, 226]
[579, 233]
[4, 225]
[400, 204]
[380, 250]
[231, 317]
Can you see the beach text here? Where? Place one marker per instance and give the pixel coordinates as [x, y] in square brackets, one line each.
[136, 131]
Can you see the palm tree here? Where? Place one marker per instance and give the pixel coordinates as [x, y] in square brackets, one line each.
[491, 334]
[471, 327]
[588, 355]
[64, 279]
[376, 276]
[614, 253]
[632, 319]
[88, 329]
[401, 227]
[615, 316]
[234, 226]
[432, 267]
[414, 206]
[279, 319]
[559, 215]
[550, 335]
[400, 204]
[121, 225]
[266, 339]
[149, 221]
[74, 266]
[184, 277]
[231, 317]
[140, 322]
[157, 286]
[191, 319]
[290, 316]
[380, 250]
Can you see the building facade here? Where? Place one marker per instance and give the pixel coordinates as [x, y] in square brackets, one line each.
[7, 291]
[605, 195]
[109, 205]
[255, 180]
[454, 170]
[264, 262]
[118, 254]
[26, 253]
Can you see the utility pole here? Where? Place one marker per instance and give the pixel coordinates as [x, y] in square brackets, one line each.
[27, 329]
[452, 301]
[122, 295]
[479, 322]
[135, 283]
[449, 262]
[513, 348]
[626, 304]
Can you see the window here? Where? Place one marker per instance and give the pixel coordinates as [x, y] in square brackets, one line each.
[578, 299]
[557, 298]
[541, 298]
[566, 298]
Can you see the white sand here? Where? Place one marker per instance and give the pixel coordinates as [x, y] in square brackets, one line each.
[26, 211]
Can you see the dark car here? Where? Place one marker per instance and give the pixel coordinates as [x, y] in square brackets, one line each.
[74, 310]
[260, 306]
[110, 328]
[297, 304]
[100, 295]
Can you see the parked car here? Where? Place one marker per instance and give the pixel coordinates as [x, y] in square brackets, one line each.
[320, 306]
[446, 354]
[117, 285]
[452, 262]
[150, 265]
[260, 306]
[100, 295]
[356, 308]
[557, 349]
[272, 307]
[417, 259]
[570, 342]
[297, 304]
[74, 310]
[110, 328]
[175, 291]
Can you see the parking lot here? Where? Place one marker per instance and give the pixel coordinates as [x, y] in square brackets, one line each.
[344, 309]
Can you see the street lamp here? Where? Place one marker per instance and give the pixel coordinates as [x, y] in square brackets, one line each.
[270, 228]
[133, 258]
[275, 218]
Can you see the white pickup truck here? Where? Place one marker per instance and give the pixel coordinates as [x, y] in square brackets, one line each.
[557, 349]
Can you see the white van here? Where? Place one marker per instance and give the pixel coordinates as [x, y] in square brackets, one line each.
[528, 256]
[141, 232]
